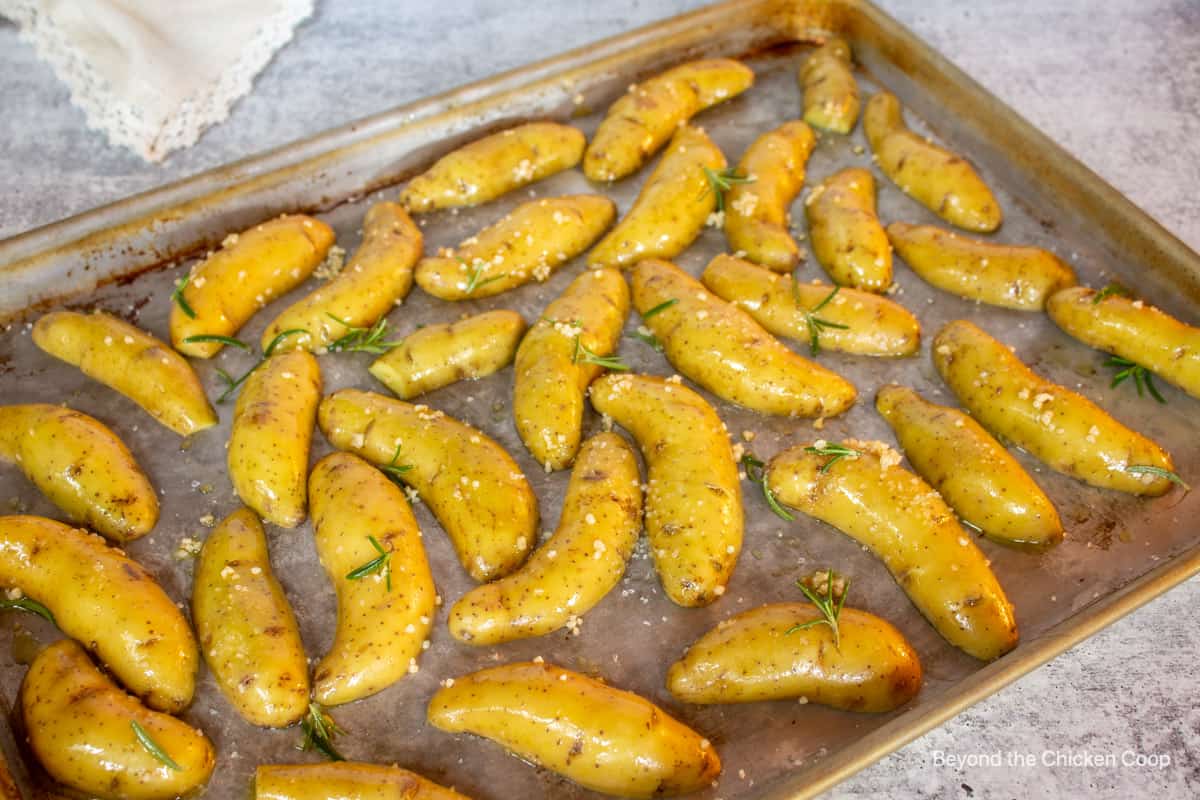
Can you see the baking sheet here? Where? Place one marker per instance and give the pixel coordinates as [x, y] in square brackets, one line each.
[632, 636]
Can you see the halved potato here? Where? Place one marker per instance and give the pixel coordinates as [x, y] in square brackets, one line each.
[830, 91]
[847, 237]
[345, 779]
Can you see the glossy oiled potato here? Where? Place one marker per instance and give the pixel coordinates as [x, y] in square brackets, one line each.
[130, 361]
[723, 349]
[874, 325]
[644, 118]
[907, 526]
[972, 471]
[577, 566]
[345, 779]
[385, 614]
[830, 91]
[997, 274]
[495, 165]
[602, 738]
[105, 600]
[473, 487]
[761, 655]
[671, 209]
[271, 436]
[530, 243]
[1064, 429]
[550, 379]
[81, 466]
[377, 277]
[693, 496]
[847, 238]
[250, 270]
[756, 213]
[1133, 330]
[246, 627]
[935, 177]
[80, 726]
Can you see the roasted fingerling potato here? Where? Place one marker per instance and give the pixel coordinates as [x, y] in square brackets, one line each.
[846, 235]
[345, 779]
[830, 92]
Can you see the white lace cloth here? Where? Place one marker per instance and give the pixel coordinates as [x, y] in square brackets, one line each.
[153, 74]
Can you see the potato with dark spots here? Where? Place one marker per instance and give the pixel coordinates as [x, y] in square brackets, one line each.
[847, 237]
[830, 92]
[345, 779]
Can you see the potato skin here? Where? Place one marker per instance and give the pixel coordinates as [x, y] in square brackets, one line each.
[81, 466]
[694, 500]
[846, 235]
[251, 268]
[581, 563]
[1133, 330]
[79, 724]
[379, 630]
[272, 434]
[549, 386]
[645, 117]
[114, 606]
[376, 278]
[1065, 430]
[906, 525]
[247, 631]
[830, 92]
[752, 657]
[997, 274]
[876, 326]
[972, 471]
[487, 168]
[601, 738]
[671, 209]
[530, 243]
[756, 213]
[723, 349]
[938, 179]
[129, 361]
[345, 779]
[473, 487]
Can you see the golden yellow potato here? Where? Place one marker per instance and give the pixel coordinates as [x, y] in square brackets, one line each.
[81, 466]
[552, 370]
[997, 274]
[495, 165]
[866, 324]
[530, 243]
[108, 602]
[91, 736]
[377, 277]
[250, 270]
[671, 209]
[1133, 330]
[271, 436]
[973, 472]
[1068, 432]
[577, 566]
[760, 655]
[248, 633]
[370, 546]
[723, 349]
[847, 237]
[906, 525]
[474, 488]
[644, 118]
[345, 779]
[940, 180]
[756, 213]
[830, 91]
[130, 361]
[694, 499]
[601, 738]
[439, 355]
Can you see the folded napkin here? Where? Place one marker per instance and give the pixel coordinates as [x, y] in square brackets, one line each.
[153, 74]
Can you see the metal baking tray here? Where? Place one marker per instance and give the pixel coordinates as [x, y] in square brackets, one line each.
[1119, 551]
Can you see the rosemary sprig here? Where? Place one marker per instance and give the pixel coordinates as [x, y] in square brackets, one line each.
[152, 746]
[30, 605]
[231, 383]
[838, 451]
[178, 299]
[362, 340]
[830, 608]
[757, 473]
[319, 732]
[1158, 472]
[394, 470]
[473, 280]
[816, 324]
[586, 355]
[1111, 290]
[648, 338]
[721, 181]
[661, 307]
[212, 337]
[381, 564]
[1143, 378]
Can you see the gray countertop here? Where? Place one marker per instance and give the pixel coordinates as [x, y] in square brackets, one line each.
[1117, 83]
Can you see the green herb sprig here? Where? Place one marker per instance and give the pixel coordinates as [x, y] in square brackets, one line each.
[393, 469]
[178, 299]
[152, 746]
[232, 384]
[756, 472]
[358, 339]
[648, 338]
[476, 272]
[661, 307]
[584, 354]
[830, 608]
[838, 451]
[30, 605]
[381, 564]
[1143, 378]
[1111, 290]
[816, 324]
[1158, 472]
[319, 732]
[721, 181]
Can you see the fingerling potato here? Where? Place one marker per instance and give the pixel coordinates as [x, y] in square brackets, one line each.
[602, 738]
[81, 466]
[830, 91]
[131, 362]
[530, 243]
[847, 237]
[345, 779]
[1063, 429]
